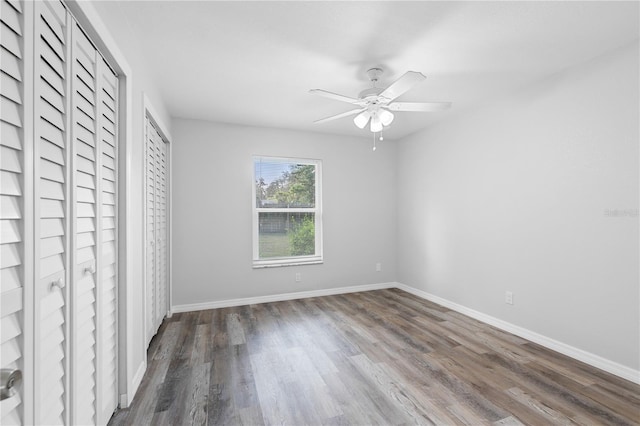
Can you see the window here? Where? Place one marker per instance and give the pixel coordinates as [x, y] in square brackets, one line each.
[287, 218]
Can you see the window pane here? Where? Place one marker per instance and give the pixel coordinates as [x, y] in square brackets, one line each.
[284, 184]
[286, 235]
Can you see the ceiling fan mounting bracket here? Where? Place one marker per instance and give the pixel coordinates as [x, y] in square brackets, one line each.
[374, 74]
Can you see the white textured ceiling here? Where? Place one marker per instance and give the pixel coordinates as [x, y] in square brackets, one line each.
[253, 63]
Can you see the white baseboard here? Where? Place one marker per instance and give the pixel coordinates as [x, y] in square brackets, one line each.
[278, 297]
[127, 398]
[573, 352]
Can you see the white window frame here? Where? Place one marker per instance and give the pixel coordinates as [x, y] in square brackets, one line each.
[317, 258]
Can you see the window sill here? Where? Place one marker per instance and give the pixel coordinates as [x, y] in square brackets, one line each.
[261, 264]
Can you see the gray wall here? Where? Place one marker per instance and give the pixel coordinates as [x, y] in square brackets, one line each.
[514, 196]
[212, 196]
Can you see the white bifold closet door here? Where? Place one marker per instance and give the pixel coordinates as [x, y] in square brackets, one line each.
[16, 277]
[108, 230]
[94, 227]
[51, 206]
[58, 216]
[156, 228]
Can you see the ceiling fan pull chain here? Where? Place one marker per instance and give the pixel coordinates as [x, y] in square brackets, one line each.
[374, 141]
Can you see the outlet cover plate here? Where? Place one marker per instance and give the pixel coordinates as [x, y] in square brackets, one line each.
[508, 298]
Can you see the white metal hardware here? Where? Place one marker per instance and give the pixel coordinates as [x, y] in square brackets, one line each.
[57, 283]
[9, 380]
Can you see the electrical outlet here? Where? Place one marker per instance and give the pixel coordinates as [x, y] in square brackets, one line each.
[508, 298]
[378, 267]
[298, 277]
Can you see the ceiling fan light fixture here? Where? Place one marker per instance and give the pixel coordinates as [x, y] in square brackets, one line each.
[362, 119]
[386, 117]
[376, 124]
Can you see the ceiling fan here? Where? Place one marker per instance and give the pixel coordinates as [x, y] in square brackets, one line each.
[375, 105]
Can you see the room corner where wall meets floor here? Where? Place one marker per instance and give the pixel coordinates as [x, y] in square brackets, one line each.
[525, 195]
[573, 352]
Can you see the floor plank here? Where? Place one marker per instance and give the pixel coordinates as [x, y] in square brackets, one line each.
[382, 357]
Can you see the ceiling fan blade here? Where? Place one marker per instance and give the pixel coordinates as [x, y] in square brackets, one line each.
[335, 117]
[419, 106]
[335, 96]
[403, 84]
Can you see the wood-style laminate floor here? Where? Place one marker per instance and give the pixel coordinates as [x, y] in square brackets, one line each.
[381, 357]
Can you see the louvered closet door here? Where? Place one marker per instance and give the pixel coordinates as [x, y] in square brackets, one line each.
[107, 295]
[157, 228]
[151, 275]
[52, 212]
[161, 228]
[58, 218]
[93, 368]
[85, 228]
[13, 241]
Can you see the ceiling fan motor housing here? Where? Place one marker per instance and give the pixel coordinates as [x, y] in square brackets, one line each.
[370, 93]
